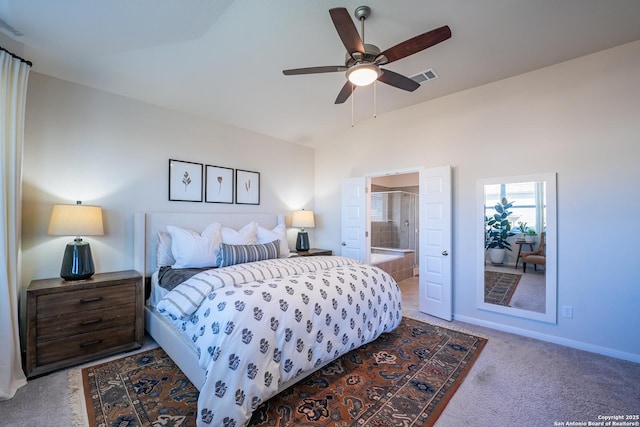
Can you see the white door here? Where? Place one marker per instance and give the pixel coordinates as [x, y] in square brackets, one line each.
[354, 219]
[436, 292]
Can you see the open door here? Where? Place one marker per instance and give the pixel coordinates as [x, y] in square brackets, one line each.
[436, 290]
[355, 205]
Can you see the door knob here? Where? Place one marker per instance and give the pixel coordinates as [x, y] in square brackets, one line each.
[344, 244]
[445, 253]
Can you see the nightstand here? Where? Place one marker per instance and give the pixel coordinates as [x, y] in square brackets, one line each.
[314, 252]
[72, 322]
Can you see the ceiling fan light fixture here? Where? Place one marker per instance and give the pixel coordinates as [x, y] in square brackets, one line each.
[363, 74]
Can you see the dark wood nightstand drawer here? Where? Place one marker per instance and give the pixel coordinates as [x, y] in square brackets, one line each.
[83, 300]
[82, 345]
[86, 321]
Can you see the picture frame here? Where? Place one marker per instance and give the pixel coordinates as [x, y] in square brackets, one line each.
[247, 187]
[185, 181]
[219, 184]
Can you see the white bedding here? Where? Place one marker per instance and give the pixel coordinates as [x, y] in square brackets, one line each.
[273, 321]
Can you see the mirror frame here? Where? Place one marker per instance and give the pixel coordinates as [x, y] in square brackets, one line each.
[551, 291]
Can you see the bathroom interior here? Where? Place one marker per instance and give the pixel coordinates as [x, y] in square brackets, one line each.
[394, 220]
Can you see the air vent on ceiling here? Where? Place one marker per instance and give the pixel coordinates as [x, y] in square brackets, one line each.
[424, 76]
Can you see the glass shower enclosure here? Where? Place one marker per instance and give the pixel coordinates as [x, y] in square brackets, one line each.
[394, 221]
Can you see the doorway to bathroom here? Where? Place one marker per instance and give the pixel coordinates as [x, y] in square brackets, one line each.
[435, 295]
[394, 224]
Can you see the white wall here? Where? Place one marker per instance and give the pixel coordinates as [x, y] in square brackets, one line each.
[104, 149]
[580, 119]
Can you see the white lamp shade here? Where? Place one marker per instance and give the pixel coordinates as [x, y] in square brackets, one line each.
[302, 219]
[76, 220]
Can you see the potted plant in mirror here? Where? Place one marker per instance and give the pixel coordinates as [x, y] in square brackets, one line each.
[499, 231]
[522, 226]
[530, 236]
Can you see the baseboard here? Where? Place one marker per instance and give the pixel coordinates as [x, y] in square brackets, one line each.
[551, 338]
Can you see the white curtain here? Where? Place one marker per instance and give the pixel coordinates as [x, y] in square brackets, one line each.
[14, 74]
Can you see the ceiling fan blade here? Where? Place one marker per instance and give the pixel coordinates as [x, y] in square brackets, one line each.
[314, 70]
[415, 44]
[345, 92]
[346, 30]
[398, 80]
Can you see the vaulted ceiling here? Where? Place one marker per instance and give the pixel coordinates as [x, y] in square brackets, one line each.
[223, 59]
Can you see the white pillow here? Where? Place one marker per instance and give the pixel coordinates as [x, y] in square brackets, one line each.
[164, 257]
[278, 233]
[193, 250]
[247, 235]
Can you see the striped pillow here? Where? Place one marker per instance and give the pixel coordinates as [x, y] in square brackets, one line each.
[240, 254]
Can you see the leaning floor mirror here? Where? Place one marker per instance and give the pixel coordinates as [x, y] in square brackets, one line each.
[516, 245]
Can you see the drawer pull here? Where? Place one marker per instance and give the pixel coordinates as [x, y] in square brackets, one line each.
[90, 343]
[86, 300]
[90, 322]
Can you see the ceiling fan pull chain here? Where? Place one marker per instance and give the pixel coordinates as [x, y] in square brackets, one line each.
[352, 101]
[375, 99]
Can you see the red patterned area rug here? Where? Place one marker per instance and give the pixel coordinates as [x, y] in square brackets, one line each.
[405, 377]
[499, 287]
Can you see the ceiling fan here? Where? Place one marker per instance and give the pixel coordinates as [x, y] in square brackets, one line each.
[363, 61]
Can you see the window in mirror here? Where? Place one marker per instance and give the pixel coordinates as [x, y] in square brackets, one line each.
[528, 203]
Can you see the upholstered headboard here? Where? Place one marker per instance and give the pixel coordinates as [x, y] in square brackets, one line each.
[147, 225]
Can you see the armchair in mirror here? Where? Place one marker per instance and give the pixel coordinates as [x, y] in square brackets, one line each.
[516, 246]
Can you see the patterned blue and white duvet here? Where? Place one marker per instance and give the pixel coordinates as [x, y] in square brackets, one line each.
[265, 323]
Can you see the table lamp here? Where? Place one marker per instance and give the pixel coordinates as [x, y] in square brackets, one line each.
[302, 219]
[76, 220]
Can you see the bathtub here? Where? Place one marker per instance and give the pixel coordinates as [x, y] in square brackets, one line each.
[397, 262]
[377, 258]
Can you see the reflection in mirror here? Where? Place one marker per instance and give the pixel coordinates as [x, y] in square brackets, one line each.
[517, 267]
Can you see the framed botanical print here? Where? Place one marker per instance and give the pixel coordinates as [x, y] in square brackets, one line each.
[247, 187]
[185, 181]
[219, 184]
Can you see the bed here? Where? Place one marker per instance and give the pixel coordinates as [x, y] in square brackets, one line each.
[246, 331]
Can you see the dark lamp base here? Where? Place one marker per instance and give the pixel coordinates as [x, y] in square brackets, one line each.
[302, 243]
[77, 263]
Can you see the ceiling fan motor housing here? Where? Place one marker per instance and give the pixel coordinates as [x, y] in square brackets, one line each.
[370, 54]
